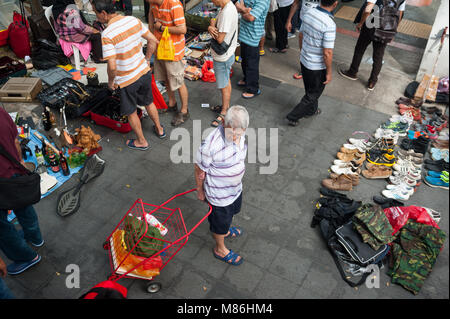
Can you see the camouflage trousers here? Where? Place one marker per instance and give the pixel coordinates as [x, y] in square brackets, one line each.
[373, 225]
[414, 253]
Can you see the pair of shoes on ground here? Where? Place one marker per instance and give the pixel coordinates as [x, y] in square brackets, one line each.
[345, 174]
[419, 145]
[438, 166]
[350, 76]
[439, 154]
[385, 202]
[231, 257]
[381, 156]
[376, 171]
[437, 179]
[409, 102]
[400, 191]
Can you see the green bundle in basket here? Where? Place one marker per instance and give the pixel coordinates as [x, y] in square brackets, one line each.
[151, 241]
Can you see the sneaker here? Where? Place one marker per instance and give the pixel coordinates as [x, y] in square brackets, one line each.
[348, 75]
[438, 182]
[438, 174]
[397, 194]
[358, 158]
[371, 86]
[361, 144]
[377, 172]
[403, 187]
[354, 178]
[410, 152]
[341, 183]
[291, 35]
[378, 158]
[18, 268]
[345, 170]
[407, 161]
[342, 163]
[406, 167]
[403, 179]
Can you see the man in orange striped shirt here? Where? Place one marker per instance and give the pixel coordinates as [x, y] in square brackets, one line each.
[170, 14]
[128, 68]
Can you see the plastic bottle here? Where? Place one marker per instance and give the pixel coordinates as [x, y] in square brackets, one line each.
[64, 166]
[151, 220]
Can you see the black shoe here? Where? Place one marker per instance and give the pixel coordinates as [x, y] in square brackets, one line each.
[348, 75]
[407, 144]
[437, 166]
[331, 193]
[420, 145]
[387, 202]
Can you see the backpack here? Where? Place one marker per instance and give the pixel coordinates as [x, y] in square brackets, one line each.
[389, 16]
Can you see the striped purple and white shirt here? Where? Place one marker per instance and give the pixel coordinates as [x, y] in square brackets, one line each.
[224, 164]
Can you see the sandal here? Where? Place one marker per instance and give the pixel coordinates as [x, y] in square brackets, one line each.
[169, 109]
[250, 96]
[131, 145]
[262, 53]
[235, 232]
[297, 76]
[163, 135]
[216, 109]
[219, 120]
[230, 258]
[180, 118]
[276, 50]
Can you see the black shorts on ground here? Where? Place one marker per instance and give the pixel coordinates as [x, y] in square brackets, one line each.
[137, 93]
[221, 217]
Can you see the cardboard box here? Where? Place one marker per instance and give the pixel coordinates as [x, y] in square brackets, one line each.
[20, 90]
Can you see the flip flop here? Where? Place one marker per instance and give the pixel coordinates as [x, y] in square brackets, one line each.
[251, 97]
[262, 52]
[297, 76]
[221, 121]
[131, 145]
[230, 258]
[275, 50]
[235, 232]
[161, 136]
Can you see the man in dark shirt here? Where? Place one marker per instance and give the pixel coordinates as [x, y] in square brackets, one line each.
[13, 243]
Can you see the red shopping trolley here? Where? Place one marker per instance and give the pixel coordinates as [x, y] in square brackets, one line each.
[139, 251]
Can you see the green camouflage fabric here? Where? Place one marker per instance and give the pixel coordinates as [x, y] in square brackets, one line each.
[414, 253]
[373, 225]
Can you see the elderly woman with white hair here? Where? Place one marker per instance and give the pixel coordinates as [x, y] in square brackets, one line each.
[219, 171]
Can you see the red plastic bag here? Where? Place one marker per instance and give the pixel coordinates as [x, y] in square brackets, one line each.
[157, 96]
[208, 72]
[398, 216]
[106, 290]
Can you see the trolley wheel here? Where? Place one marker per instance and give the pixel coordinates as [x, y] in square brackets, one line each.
[154, 287]
[106, 245]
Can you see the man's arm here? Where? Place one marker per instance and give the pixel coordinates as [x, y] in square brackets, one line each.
[152, 44]
[19, 151]
[294, 8]
[112, 74]
[328, 59]
[199, 179]
[244, 11]
[365, 15]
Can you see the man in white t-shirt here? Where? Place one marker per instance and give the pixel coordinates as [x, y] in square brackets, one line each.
[224, 30]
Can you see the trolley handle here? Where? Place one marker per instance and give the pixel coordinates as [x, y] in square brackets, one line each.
[188, 233]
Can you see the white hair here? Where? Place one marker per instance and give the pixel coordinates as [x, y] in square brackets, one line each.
[237, 117]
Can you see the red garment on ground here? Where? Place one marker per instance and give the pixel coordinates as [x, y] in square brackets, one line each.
[398, 216]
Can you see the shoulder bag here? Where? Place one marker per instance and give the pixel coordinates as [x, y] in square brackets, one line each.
[20, 191]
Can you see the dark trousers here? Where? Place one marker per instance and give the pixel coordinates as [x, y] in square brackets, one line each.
[96, 42]
[13, 245]
[280, 18]
[127, 6]
[313, 81]
[250, 67]
[365, 38]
